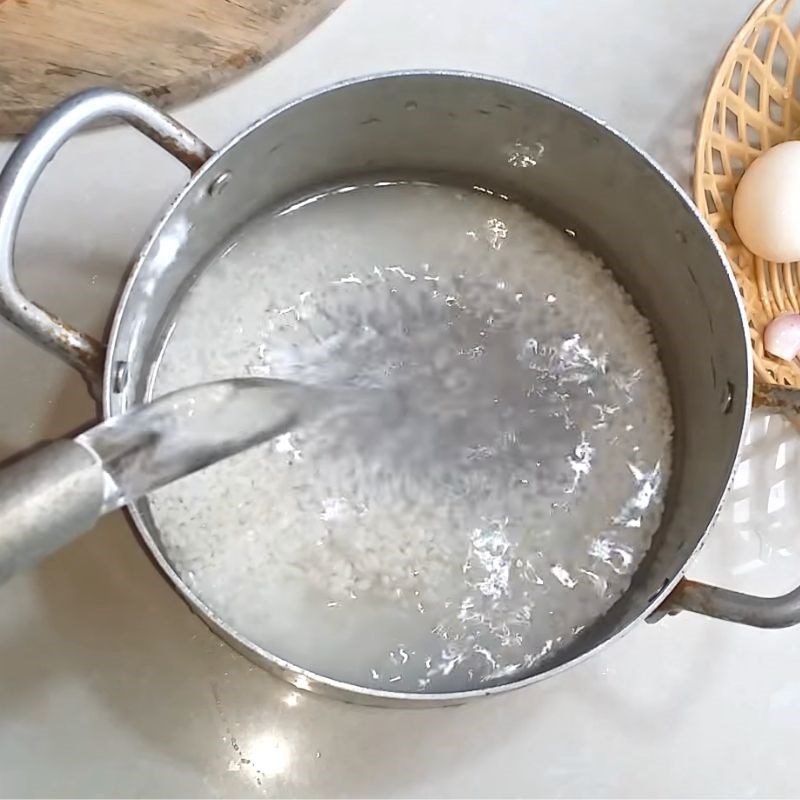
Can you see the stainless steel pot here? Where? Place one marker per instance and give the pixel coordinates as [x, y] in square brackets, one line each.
[564, 164]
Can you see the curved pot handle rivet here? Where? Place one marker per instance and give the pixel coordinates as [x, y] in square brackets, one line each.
[725, 604]
[17, 180]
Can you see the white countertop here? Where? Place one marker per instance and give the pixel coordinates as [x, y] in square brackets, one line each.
[110, 686]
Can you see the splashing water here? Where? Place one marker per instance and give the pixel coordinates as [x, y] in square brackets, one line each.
[495, 475]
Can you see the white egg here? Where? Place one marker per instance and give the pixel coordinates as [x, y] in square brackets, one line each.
[766, 207]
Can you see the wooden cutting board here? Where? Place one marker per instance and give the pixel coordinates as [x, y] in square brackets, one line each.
[168, 51]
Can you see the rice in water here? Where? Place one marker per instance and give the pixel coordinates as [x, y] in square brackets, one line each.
[491, 468]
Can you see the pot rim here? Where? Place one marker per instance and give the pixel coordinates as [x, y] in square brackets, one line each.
[299, 676]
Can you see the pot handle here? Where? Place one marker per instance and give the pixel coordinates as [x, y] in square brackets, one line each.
[17, 180]
[725, 604]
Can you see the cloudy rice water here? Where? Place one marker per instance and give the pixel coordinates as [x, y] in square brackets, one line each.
[491, 461]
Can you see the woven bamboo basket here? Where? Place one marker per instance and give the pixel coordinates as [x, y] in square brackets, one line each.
[753, 104]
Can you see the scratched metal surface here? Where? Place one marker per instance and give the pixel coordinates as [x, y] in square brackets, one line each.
[109, 686]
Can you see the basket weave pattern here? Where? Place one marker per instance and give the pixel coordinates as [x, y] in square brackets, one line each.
[753, 104]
